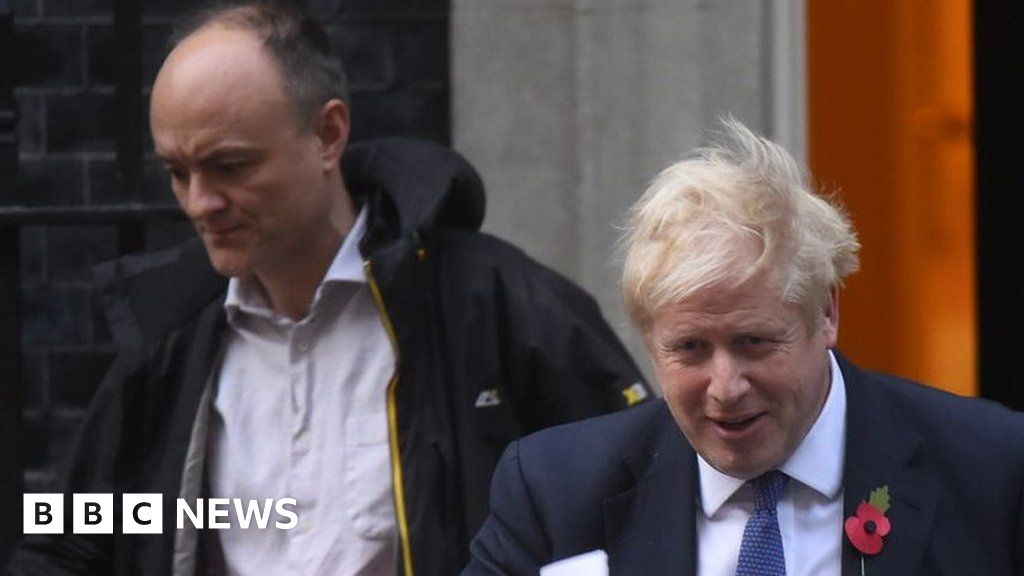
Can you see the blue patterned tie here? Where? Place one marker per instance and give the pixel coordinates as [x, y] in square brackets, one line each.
[761, 550]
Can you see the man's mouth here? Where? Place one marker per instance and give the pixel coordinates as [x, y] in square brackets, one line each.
[221, 231]
[737, 423]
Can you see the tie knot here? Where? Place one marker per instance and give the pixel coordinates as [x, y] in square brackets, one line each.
[769, 489]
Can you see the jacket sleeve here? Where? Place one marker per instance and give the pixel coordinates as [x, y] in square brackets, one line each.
[570, 364]
[511, 541]
[89, 470]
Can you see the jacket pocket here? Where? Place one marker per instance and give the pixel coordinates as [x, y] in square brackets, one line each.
[367, 476]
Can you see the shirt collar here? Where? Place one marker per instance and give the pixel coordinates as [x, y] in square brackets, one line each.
[246, 296]
[348, 264]
[816, 462]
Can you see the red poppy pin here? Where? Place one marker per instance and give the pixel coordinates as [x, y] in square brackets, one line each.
[869, 525]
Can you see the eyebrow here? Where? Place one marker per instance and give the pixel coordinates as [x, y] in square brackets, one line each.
[220, 153]
[233, 151]
[746, 327]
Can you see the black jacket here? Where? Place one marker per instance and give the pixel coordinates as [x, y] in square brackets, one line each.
[467, 313]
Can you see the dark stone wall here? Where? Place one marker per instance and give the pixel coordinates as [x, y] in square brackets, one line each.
[66, 67]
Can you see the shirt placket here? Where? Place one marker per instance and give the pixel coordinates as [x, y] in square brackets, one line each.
[302, 473]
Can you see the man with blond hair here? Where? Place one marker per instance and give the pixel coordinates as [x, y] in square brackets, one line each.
[771, 453]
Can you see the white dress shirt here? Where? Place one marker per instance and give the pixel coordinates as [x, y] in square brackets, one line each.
[300, 412]
[810, 511]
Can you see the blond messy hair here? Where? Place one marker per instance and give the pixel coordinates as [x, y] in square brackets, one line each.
[738, 209]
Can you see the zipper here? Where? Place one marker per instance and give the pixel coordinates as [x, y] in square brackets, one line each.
[396, 461]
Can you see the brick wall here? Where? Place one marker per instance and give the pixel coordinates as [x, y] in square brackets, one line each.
[66, 68]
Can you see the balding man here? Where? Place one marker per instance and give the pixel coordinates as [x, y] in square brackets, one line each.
[369, 357]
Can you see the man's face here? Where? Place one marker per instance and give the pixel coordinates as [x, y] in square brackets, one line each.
[250, 178]
[743, 375]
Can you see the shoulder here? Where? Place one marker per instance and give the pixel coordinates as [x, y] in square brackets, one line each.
[956, 429]
[480, 261]
[147, 296]
[476, 248]
[934, 408]
[602, 450]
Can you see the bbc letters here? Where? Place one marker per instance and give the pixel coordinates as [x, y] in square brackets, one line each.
[143, 513]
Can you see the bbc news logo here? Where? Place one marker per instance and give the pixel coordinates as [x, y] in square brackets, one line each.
[143, 513]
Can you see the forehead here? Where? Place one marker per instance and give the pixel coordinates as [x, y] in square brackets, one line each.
[753, 306]
[218, 77]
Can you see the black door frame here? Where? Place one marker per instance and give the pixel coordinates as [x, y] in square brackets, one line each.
[998, 134]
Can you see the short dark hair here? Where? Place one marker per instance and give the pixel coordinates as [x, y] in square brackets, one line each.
[311, 72]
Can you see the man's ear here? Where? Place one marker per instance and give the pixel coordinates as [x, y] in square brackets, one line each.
[830, 318]
[332, 129]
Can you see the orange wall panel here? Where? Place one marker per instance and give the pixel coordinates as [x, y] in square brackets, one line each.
[889, 107]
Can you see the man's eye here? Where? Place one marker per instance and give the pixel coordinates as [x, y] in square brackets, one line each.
[690, 346]
[751, 341]
[229, 168]
[177, 174]
[688, 352]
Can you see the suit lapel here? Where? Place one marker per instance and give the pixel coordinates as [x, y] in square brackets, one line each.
[650, 529]
[880, 446]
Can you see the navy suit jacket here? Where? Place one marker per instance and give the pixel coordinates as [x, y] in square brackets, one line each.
[627, 483]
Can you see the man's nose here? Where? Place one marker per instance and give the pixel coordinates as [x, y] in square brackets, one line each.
[201, 198]
[728, 382]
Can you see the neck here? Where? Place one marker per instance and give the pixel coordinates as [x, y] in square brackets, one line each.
[291, 286]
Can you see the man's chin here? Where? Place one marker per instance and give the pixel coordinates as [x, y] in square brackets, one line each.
[228, 262]
[741, 465]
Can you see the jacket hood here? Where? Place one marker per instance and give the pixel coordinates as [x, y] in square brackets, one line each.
[409, 186]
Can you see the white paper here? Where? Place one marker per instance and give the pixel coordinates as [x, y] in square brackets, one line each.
[593, 563]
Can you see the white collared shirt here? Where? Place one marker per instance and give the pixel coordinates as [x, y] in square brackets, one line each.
[300, 412]
[811, 508]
